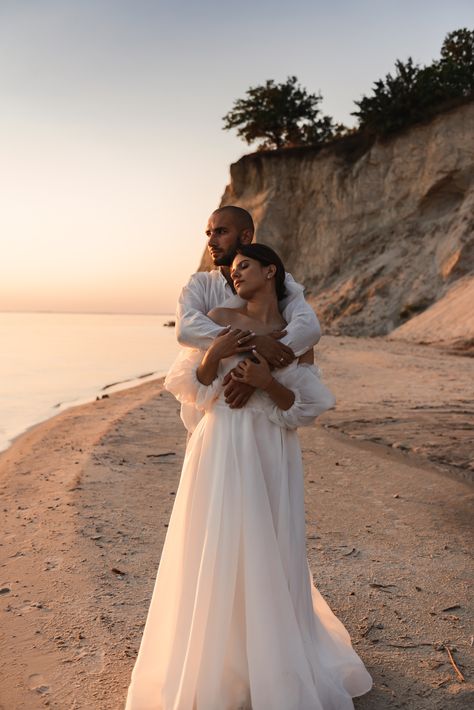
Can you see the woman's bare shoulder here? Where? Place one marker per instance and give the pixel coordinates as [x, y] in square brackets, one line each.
[224, 316]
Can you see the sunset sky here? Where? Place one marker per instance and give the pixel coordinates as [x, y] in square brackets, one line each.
[112, 148]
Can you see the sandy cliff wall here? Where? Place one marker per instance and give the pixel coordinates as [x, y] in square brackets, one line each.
[376, 239]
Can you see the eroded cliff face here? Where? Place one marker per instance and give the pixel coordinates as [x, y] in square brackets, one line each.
[375, 239]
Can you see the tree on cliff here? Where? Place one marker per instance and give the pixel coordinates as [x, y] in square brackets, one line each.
[416, 93]
[281, 115]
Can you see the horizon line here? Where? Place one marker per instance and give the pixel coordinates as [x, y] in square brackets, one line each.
[92, 313]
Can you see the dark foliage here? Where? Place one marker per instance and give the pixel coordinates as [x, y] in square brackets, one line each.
[415, 93]
[280, 116]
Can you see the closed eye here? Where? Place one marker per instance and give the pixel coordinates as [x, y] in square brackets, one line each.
[241, 266]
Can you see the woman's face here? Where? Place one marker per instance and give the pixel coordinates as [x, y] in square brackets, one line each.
[249, 275]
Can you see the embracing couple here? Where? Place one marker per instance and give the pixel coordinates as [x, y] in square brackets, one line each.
[235, 620]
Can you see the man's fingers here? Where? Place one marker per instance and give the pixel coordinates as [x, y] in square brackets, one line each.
[238, 402]
[231, 396]
[256, 355]
[227, 379]
[231, 401]
[281, 361]
[230, 390]
[242, 349]
[224, 331]
[246, 337]
[277, 334]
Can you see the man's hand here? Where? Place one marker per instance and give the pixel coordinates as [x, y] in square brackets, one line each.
[307, 357]
[253, 371]
[237, 394]
[268, 346]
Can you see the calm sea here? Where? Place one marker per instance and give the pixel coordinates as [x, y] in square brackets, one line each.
[50, 361]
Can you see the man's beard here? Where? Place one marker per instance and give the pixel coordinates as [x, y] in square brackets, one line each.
[225, 259]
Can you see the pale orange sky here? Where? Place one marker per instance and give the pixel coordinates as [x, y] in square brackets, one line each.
[113, 153]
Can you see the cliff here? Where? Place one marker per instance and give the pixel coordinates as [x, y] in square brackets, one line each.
[377, 237]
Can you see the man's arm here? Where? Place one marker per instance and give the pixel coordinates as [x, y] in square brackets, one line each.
[303, 329]
[193, 328]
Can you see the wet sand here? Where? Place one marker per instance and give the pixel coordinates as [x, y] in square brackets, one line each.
[86, 498]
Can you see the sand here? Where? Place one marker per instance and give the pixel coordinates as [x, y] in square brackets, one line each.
[86, 498]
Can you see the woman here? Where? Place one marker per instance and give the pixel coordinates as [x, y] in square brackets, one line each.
[235, 620]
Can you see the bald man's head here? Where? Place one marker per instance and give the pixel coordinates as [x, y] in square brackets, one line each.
[241, 218]
[228, 228]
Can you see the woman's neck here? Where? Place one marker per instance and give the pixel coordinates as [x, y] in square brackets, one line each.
[263, 308]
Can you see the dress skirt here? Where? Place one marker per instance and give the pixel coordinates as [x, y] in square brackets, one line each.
[235, 620]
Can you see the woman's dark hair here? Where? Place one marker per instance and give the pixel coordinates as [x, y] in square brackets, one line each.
[266, 256]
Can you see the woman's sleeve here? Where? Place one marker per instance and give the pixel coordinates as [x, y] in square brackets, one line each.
[183, 383]
[312, 398]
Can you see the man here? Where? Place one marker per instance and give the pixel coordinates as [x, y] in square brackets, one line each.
[229, 227]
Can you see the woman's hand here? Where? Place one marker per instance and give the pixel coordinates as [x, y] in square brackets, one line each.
[255, 372]
[227, 343]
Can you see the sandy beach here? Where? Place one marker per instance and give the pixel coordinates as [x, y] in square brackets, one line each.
[86, 499]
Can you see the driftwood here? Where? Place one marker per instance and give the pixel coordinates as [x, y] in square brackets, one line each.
[453, 663]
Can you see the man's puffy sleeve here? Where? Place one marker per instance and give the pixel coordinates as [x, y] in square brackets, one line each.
[193, 328]
[303, 329]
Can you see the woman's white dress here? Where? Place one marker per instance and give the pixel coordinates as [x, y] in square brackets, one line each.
[235, 620]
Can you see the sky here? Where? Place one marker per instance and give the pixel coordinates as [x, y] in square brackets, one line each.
[111, 142]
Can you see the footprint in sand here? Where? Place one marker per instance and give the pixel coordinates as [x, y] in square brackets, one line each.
[29, 606]
[94, 660]
[51, 563]
[36, 682]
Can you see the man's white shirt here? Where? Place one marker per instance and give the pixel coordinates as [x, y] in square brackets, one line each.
[209, 289]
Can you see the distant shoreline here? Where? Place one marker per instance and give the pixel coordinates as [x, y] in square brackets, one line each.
[61, 407]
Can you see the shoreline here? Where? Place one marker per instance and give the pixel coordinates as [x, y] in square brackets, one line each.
[405, 413]
[107, 389]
